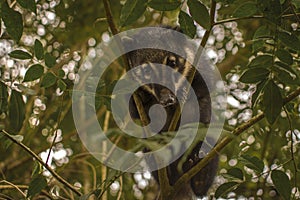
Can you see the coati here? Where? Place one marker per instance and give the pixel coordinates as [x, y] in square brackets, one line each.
[152, 94]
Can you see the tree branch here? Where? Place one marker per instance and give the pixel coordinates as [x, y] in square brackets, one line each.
[162, 173]
[54, 174]
[173, 190]
[253, 17]
[190, 78]
[18, 187]
[226, 140]
[115, 31]
[109, 18]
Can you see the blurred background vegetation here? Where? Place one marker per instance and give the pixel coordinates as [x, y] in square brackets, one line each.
[254, 44]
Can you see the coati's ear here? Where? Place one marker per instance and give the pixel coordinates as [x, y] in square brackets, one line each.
[177, 28]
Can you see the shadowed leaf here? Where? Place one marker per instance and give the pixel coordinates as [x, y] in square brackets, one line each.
[199, 13]
[34, 72]
[187, 24]
[282, 183]
[164, 5]
[272, 101]
[131, 11]
[13, 21]
[16, 110]
[20, 54]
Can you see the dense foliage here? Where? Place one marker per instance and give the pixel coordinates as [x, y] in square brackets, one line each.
[254, 43]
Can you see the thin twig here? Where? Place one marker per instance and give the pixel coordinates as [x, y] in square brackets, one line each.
[164, 183]
[55, 131]
[252, 17]
[173, 190]
[93, 172]
[162, 173]
[266, 172]
[13, 186]
[115, 31]
[190, 78]
[104, 149]
[121, 189]
[54, 174]
[292, 147]
[294, 12]
[109, 18]
[226, 140]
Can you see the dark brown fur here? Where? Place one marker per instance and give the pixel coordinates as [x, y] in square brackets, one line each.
[202, 181]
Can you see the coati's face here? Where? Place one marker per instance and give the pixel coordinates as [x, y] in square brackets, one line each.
[149, 66]
[152, 67]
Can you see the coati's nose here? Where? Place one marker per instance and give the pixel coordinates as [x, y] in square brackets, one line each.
[167, 98]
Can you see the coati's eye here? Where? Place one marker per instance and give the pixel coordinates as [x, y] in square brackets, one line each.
[171, 61]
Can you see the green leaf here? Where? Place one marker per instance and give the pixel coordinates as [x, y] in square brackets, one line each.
[257, 93]
[3, 97]
[285, 76]
[245, 10]
[61, 73]
[20, 54]
[187, 24]
[5, 142]
[37, 169]
[38, 49]
[236, 173]
[271, 10]
[290, 40]
[258, 45]
[282, 184]
[284, 56]
[262, 32]
[286, 68]
[225, 188]
[199, 13]
[259, 37]
[131, 11]
[262, 61]
[34, 72]
[254, 75]
[61, 85]
[50, 60]
[8, 142]
[164, 5]
[13, 21]
[296, 3]
[48, 80]
[16, 109]
[253, 162]
[37, 184]
[272, 101]
[28, 4]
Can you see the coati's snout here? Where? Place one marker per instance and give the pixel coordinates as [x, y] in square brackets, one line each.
[166, 97]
